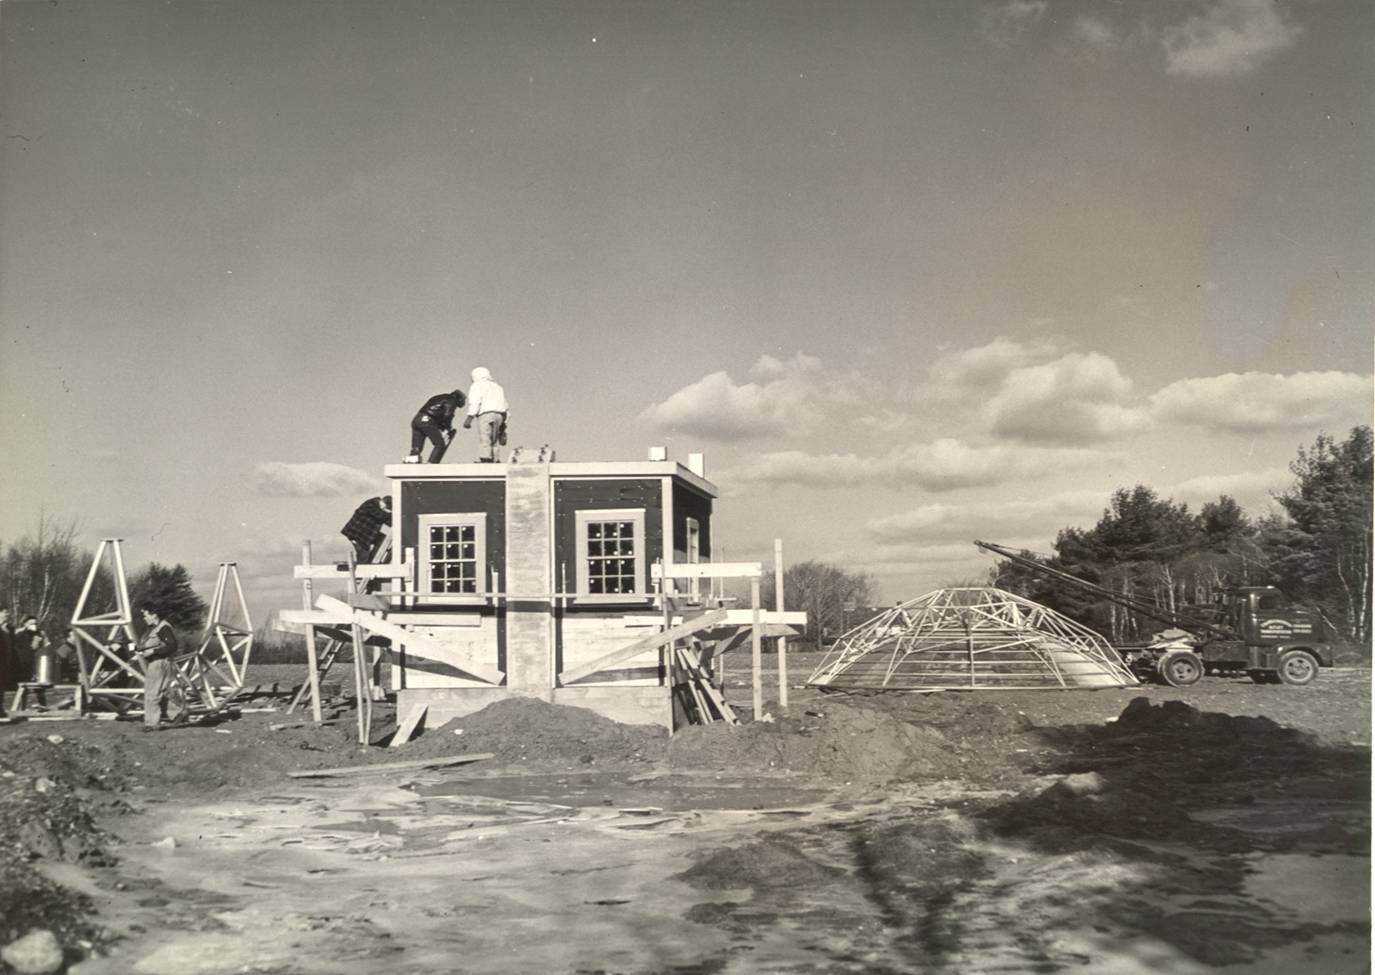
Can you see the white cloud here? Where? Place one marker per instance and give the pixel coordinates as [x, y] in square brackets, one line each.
[1257, 402]
[1040, 516]
[1251, 489]
[1007, 23]
[1095, 35]
[940, 465]
[1229, 38]
[785, 397]
[311, 479]
[1076, 398]
[984, 367]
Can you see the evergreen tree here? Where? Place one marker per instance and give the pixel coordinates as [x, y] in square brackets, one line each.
[170, 590]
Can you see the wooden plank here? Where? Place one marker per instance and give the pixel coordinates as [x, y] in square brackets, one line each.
[416, 763]
[406, 729]
[782, 640]
[416, 644]
[756, 651]
[706, 570]
[364, 570]
[745, 617]
[651, 642]
[694, 665]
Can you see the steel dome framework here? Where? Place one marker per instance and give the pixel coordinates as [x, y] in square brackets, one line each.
[983, 638]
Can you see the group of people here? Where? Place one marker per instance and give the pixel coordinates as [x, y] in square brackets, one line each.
[487, 407]
[28, 655]
[23, 651]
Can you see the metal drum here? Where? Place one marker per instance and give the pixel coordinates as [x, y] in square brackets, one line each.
[43, 666]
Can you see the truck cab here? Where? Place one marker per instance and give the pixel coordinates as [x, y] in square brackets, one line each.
[1270, 637]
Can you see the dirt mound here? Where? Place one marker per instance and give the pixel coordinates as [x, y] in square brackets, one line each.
[45, 785]
[1141, 716]
[523, 729]
[770, 862]
[842, 742]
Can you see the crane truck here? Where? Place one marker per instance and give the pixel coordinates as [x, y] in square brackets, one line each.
[1250, 630]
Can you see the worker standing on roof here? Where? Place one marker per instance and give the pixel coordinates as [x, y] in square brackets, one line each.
[435, 422]
[487, 404]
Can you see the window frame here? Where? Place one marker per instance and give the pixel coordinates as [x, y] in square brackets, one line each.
[582, 519]
[475, 519]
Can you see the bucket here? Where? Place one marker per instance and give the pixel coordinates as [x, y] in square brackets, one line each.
[43, 666]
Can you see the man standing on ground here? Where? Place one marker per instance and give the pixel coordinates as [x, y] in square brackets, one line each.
[435, 422]
[487, 404]
[162, 696]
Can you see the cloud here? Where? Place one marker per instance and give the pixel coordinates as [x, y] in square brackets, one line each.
[939, 465]
[1040, 516]
[1228, 39]
[1076, 398]
[785, 397]
[312, 479]
[1251, 489]
[1095, 35]
[1257, 402]
[1007, 23]
[984, 367]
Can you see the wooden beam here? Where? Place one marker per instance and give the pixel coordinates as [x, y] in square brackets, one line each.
[406, 729]
[651, 642]
[416, 644]
[782, 640]
[391, 766]
[706, 570]
[364, 570]
[756, 651]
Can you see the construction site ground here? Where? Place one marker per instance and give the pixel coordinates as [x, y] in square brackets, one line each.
[1219, 828]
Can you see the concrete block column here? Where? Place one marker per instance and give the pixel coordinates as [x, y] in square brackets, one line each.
[529, 581]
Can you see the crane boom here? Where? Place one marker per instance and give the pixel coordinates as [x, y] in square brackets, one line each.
[1150, 610]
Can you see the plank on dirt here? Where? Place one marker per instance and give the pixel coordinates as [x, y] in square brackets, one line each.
[407, 728]
[417, 763]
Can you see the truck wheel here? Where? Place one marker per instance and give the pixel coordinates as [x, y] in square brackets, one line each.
[1298, 667]
[1180, 668]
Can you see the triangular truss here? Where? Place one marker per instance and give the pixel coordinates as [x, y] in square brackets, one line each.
[986, 638]
[217, 669]
[112, 677]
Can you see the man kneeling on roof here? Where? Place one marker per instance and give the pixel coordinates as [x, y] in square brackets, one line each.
[435, 422]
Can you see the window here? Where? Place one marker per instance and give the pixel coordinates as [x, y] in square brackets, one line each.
[454, 555]
[612, 557]
[694, 552]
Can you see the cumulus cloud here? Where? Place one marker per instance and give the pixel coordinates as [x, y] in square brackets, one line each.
[1076, 398]
[1095, 35]
[939, 465]
[1227, 39]
[1007, 23]
[311, 479]
[932, 522]
[1257, 402]
[982, 367]
[783, 397]
[1251, 489]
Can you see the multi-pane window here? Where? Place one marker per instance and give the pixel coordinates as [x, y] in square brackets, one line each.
[454, 557]
[612, 544]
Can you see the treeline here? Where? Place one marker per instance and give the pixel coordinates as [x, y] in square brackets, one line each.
[43, 572]
[1316, 549]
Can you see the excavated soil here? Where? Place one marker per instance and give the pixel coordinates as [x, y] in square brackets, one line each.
[1184, 811]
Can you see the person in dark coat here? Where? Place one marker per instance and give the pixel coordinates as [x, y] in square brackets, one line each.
[7, 680]
[435, 422]
[364, 529]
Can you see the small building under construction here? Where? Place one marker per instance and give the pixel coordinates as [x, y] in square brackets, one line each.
[568, 582]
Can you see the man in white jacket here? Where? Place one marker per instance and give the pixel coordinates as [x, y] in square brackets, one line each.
[487, 405]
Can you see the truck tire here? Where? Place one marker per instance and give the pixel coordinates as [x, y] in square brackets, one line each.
[1180, 668]
[1298, 667]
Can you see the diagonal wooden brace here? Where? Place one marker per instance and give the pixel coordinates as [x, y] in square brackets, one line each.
[651, 642]
[415, 643]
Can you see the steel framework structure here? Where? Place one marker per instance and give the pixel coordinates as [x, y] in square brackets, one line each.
[984, 639]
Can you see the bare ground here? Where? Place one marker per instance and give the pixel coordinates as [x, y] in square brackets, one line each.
[1223, 827]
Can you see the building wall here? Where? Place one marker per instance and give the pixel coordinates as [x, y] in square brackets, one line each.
[689, 504]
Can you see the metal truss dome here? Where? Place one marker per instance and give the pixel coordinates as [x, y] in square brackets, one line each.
[959, 639]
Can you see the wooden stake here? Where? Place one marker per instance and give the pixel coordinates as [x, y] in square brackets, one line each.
[756, 651]
[313, 675]
[782, 640]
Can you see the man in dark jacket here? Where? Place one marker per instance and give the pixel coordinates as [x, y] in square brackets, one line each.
[435, 422]
[364, 529]
[157, 648]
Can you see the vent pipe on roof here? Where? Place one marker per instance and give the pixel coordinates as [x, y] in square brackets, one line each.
[658, 453]
[697, 463]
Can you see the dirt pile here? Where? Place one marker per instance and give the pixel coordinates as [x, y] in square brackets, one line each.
[841, 742]
[48, 786]
[530, 731]
[770, 862]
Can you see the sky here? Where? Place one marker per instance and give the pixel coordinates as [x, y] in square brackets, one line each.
[909, 274]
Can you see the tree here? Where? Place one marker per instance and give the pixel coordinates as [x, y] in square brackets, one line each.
[42, 573]
[1323, 551]
[170, 590]
[822, 591]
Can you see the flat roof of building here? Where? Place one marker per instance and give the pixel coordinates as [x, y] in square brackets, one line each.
[580, 469]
